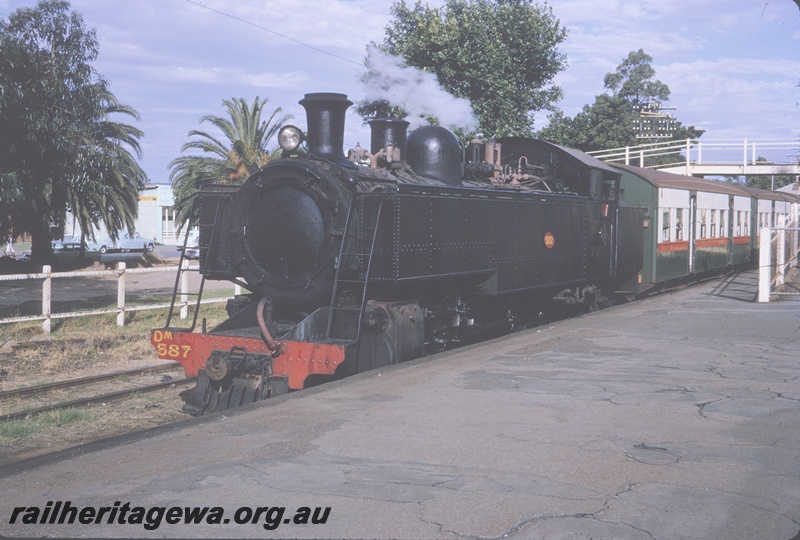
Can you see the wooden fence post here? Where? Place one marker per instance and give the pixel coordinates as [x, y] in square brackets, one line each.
[47, 297]
[121, 266]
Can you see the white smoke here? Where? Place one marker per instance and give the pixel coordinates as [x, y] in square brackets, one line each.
[416, 91]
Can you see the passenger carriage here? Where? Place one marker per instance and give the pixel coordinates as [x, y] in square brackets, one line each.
[770, 209]
[692, 226]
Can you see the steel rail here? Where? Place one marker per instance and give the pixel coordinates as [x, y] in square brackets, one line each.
[111, 396]
[80, 381]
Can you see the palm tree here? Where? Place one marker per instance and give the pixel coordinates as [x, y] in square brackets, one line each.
[108, 177]
[229, 160]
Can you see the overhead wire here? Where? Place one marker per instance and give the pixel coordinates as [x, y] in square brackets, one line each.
[260, 27]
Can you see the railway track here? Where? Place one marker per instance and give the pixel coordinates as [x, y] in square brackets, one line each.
[70, 384]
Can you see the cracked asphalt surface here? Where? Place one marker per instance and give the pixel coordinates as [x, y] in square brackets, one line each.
[673, 417]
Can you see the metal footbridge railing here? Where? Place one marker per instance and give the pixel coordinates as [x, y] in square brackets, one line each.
[723, 157]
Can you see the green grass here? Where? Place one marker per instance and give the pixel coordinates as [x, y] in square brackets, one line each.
[28, 427]
[136, 323]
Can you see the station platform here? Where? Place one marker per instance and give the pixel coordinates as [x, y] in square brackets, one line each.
[677, 416]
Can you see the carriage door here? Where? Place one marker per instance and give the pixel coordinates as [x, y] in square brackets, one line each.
[603, 213]
[692, 228]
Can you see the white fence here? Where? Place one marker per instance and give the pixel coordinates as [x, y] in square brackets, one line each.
[118, 275]
[778, 252]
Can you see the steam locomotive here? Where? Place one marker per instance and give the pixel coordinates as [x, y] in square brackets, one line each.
[380, 256]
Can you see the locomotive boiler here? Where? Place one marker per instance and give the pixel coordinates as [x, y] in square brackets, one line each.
[358, 261]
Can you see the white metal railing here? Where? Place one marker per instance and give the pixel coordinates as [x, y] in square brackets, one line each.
[120, 273]
[740, 152]
[779, 248]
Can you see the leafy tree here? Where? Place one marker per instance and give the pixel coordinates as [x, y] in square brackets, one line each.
[768, 182]
[54, 111]
[499, 54]
[227, 161]
[610, 121]
[633, 81]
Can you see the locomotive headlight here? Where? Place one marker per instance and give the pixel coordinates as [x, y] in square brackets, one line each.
[289, 138]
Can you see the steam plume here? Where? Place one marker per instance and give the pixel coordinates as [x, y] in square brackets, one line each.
[416, 91]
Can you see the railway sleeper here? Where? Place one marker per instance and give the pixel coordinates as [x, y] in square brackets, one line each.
[231, 379]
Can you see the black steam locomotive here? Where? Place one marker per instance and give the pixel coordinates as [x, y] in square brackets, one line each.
[360, 261]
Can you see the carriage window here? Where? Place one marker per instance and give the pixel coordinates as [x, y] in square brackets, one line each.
[679, 224]
[703, 216]
[713, 223]
[722, 229]
[738, 223]
[745, 227]
[665, 224]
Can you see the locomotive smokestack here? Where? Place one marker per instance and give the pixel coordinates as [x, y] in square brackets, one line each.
[325, 116]
[388, 131]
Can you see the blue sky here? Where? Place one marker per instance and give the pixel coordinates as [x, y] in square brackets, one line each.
[733, 66]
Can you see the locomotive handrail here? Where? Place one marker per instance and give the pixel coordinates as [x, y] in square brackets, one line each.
[338, 270]
[181, 268]
[381, 197]
[369, 268]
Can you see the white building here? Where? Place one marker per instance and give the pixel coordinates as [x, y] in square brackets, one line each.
[156, 218]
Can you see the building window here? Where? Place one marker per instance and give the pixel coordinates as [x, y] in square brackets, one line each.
[167, 223]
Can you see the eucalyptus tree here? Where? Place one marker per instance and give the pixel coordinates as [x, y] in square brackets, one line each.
[226, 159]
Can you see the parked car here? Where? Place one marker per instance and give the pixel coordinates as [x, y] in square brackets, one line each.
[100, 247]
[67, 250]
[192, 245]
[131, 242]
